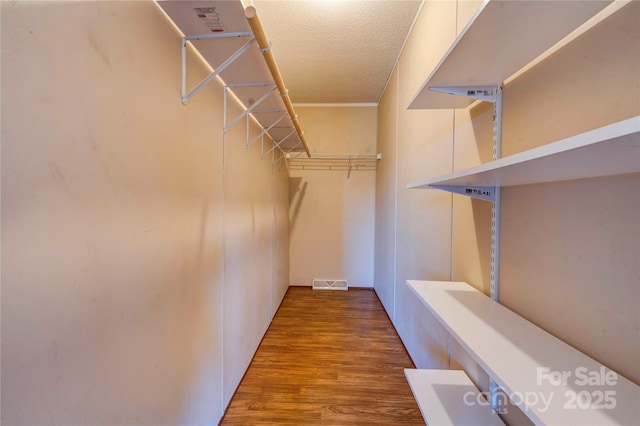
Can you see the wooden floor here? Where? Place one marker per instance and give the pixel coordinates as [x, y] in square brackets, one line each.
[330, 358]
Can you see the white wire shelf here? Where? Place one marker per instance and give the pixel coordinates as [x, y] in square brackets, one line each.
[230, 39]
[334, 162]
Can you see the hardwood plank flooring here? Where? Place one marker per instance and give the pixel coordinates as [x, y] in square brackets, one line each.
[330, 358]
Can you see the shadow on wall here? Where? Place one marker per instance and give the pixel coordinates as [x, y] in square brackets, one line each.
[482, 220]
[297, 191]
[483, 130]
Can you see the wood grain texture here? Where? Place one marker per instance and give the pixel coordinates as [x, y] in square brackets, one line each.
[331, 358]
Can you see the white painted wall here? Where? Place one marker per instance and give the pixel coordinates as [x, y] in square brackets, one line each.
[567, 248]
[332, 217]
[136, 282]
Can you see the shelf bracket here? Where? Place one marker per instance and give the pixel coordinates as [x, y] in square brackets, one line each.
[250, 108]
[486, 193]
[292, 148]
[278, 160]
[277, 144]
[284, 154]
[266, 131]
[289, 157]
[221, 67]
[483, 93]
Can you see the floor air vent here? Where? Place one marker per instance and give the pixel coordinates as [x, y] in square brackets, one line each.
[330, 284]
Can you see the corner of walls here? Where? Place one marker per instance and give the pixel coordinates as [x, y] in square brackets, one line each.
[386, 197]
[416, 223]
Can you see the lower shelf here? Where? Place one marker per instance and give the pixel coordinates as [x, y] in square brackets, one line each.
[526, 361]
[448, 397]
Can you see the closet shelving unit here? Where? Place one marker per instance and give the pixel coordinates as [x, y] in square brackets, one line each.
[440, 392]
[231, 40]
[346, 162]
[518, 355]
[606, 151]
[500, 40]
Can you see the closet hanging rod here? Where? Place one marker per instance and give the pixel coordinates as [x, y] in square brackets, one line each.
[265, 48]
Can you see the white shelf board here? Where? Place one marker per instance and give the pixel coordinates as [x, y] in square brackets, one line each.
[500, 39]
[250, 67]
[441, 396]
[512, 350]
[606, 151]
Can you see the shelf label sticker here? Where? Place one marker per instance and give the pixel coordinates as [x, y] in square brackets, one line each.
[478, 192]
[210, 19]
[480, 92]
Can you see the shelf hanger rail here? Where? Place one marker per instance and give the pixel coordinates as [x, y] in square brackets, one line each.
[265, 48]
[348, 162]
[256, 35]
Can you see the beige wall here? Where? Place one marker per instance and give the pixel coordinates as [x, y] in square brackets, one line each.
[422, 146]
[126, 296]
[569, 250]
[386, 197]
[332, 217]
[584, 235]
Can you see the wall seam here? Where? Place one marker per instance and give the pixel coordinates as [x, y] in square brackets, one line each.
[453, 159]
[273, 245]
[396, 64]
[222, 267]
[395, 196]
[453, 162]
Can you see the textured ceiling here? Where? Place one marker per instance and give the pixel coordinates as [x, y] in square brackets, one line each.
[336, 51]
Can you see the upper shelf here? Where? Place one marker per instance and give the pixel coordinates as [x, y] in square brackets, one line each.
[606, 151]
[249, 73]
[501, 38]
[522, 357]
[346, 162]
[335, 162]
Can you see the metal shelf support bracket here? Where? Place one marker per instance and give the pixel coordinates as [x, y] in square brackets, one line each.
[186, 96]
[265, 131]
[278, 143]
[250, 108]
[486, 193]
[483, 93]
